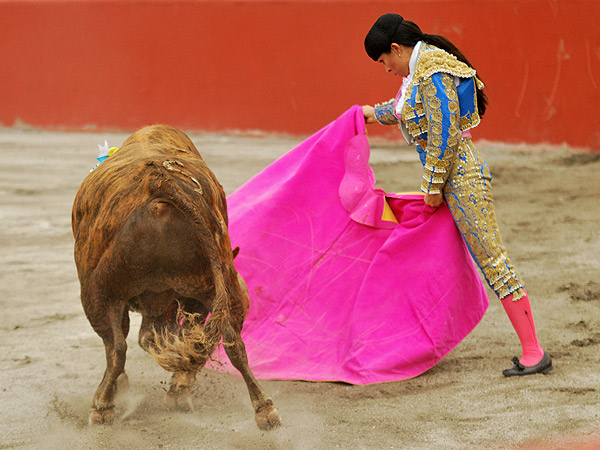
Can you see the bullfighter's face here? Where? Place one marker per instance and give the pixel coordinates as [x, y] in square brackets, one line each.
[396, 61]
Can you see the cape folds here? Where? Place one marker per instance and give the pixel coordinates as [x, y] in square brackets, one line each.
[347, 282]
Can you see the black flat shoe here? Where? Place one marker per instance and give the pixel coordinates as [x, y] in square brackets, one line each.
[518, 370]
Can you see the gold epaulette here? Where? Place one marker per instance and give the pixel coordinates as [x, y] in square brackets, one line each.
[433, 60]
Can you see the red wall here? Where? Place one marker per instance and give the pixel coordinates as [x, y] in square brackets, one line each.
[288, 66]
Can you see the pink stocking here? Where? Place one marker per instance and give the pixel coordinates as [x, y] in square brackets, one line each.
[519, 313]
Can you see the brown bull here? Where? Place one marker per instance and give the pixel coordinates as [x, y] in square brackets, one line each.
[150, 227]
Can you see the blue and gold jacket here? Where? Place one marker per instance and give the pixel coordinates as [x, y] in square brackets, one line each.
[436, 111]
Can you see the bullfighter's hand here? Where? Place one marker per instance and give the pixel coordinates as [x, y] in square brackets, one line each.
[369, 113]
[434, 200]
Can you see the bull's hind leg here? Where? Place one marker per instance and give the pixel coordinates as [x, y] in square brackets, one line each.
[112, 333]
[123, 380]
[266, 413]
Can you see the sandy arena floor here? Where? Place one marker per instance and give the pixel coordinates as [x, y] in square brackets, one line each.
[51, 361]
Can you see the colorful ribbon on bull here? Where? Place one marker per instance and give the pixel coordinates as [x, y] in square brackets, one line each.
[104, 152]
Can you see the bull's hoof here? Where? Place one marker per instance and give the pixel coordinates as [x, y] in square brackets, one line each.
[267, 416]
[102, 417]
[180, 399]
[180, 391]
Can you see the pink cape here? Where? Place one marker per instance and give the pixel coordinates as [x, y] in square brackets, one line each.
[337, 293]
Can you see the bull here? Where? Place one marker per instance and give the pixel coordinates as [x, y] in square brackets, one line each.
[151, 236]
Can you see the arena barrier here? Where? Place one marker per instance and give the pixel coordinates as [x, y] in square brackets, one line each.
[287, 66]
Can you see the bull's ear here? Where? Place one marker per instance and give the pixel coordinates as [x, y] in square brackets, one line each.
[235, 252]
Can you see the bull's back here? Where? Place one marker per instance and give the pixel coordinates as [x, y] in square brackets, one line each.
[157, 163]
[157, 249]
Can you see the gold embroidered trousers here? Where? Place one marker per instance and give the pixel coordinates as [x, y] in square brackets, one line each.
[468, 193]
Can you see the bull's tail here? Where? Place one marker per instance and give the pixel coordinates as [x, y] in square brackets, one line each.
[189, 349]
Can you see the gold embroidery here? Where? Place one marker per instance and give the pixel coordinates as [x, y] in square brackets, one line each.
[433, 60]
[424, 118]
[436, 141]
[447, 82]
[433, 178]
[441, 165]
[417, 127]
[436, 127]
[408, 112]
[453, 106]
[384, 113]
[469, 196]
[479, 83]
[469, 122]
[437, 178]
[434, 152]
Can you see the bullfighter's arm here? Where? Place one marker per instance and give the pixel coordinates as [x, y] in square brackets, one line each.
[384, 113]
[441, 107]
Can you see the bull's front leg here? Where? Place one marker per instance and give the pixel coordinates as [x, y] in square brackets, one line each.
[102, 410]
[265, 412]
[179, 395]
